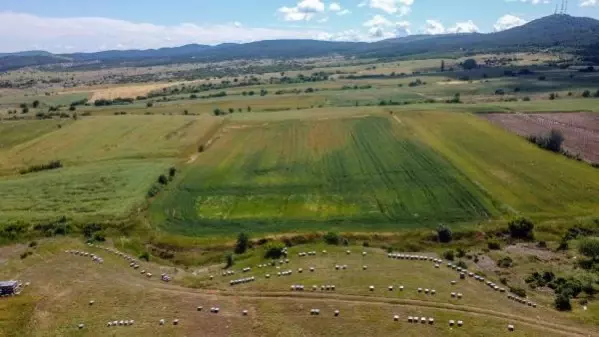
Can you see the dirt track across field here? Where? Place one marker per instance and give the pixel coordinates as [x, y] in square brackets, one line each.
[580, 130]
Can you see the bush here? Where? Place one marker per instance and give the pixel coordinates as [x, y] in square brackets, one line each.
[462, 264]
[444, 234]
[99, 237]
[149, 104]
[562, 302]
[243, 243]
[521, 228]
[274, 250]
[229, 260]
[162, 179]
[332, 238]
[55, 164]
[552, 96]
[145, 256]
[153, 191]
[449, 255]
[469, 64]
[32, 244]
[494, 245]
[24, 255]
[172, 171]
[72, 108]
[518, 291]
[526, 99]
[586, 94]
[461, 253]
[505, 262]
[589, 247]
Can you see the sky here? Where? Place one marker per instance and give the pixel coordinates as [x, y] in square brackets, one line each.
[66, 26]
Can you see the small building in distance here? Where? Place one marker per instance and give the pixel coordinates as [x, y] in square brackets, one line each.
[8, 288]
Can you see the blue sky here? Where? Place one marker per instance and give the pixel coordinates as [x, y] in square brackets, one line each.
[75, 25]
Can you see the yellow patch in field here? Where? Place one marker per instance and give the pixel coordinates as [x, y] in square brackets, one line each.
[129, 91]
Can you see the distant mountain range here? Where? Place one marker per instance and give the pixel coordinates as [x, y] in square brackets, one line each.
[576, 34]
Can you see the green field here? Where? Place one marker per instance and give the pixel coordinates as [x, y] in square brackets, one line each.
[98, 191]
[370, 173]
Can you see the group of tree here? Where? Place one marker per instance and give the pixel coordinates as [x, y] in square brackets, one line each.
[55, 164]
[551, 141]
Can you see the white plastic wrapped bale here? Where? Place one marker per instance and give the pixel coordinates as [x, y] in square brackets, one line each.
[431, 320]
[390, 288]
[364, 267]
[371, 288]
[460, 323]
[175, 322]
[364, 253]
[396, 318]
[451, 322]
[410, 319]
[419, 290]
[336, 313]
[423, 320]
[460, 295]
[244, 313]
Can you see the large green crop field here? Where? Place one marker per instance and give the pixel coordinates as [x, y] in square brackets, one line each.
[378, 172]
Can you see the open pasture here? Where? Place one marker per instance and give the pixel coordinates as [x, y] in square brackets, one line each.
[365, 172]
[55, 303]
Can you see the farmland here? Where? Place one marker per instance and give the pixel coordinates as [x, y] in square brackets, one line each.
[368, 171]
[581, 131]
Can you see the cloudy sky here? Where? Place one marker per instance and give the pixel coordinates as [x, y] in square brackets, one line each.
[75, 25]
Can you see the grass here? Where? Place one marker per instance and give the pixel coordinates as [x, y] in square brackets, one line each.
[116, 137]
[520, 177]
[99, 191]
[63, 284]
[17, 132]
[13, 101]
[362, 173]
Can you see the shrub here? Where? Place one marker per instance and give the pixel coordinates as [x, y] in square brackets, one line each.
[518, 291]
[274, 250]
[172, 171]
[145, 256]
[562, 302]
[552, 96]
[494, 245]
[469, 64]
[589, 247]
[149, 104]
[55, 164]
[586, 94]
[32, 244]
[162, 179]
[444, 234]
[526, 99]
[332, 238]
[24, 255]
[462, 264]
[449, 255]
[461, 253]
[243, 243]
[229, 260]
[521, 228]
[505, 262]
[72, 108]
[99, 236]
[153, 191]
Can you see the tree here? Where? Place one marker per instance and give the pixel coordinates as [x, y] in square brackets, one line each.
[172, 171]
[469, 64]
[231, 110]
[442, 65]
[449, 255]
[149, 104]
[521, 228]
[243, 242]
[562, 302]
[229, 261]
[589, 247]
[249, 108]
[552, 96]
[162, 179]
[25, 110]
[555, 140]
[35, 104]
[444, 234]
[332, 238]
[72, 108]
[274, 250]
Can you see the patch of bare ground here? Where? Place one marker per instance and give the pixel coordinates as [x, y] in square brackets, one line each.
[580, 130]
[528, 249]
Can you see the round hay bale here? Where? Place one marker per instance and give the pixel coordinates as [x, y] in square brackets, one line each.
[244, 313]
[460, 323]
[396, 318]
[371, 288]
[81, 326]
[451, 322]
[510, 327]
[336, 313]
[175, 322]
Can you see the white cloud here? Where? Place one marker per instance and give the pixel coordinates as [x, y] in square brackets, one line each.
[434, 27]
[334, 7]
[508, 21]
[534, 2]
[323, 20]
[380, 27]
[344, 12]
[363, 3]
[95, 33]
[303, 11]
[589, 3]
[237, 24]
[400, 7]
[463, 27]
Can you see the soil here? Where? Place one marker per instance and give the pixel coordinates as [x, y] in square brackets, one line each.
[580, 130]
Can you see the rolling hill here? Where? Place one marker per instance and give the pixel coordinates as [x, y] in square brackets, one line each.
[576, 34]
